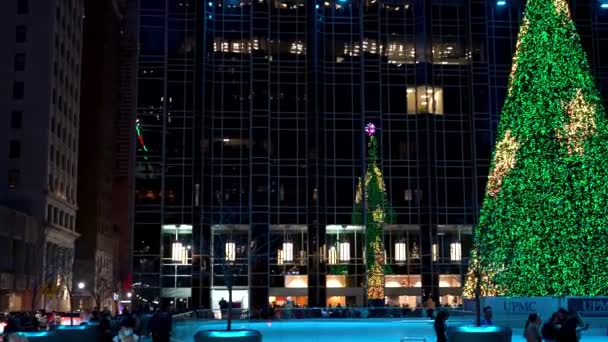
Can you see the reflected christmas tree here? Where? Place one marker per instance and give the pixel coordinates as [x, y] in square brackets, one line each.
[378, 213]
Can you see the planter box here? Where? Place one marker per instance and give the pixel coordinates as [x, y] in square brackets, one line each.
[40, 336]
[472, 333]
[228, 336]
[75, 333]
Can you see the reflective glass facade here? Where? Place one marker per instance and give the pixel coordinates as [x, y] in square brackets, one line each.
[250, 143]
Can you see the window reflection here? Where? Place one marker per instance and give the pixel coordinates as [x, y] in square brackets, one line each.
[425, 99]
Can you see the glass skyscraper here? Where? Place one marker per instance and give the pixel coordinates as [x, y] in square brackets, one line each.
[250, 143]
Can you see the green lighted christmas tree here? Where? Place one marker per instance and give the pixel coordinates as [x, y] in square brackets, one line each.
[378, 212]
[543, 228]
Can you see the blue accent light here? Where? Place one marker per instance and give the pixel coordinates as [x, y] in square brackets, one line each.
[342, 1]
[604, 5]
[317, 6]
[34, 334]
[482, 329]
[228, 334]
[210, 4]
[210, 16]
[71, 327]
[501, 3]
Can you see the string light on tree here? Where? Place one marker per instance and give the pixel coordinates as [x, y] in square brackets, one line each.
[522, 32]
[580, 125]
[140, 139]
[487, 286]
[562, 7]
[504, 161]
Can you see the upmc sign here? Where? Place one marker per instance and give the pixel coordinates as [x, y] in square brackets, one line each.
[508, 306]
[519, 306]
[589, 306]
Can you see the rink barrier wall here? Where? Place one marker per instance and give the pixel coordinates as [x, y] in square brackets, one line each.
[545, 306]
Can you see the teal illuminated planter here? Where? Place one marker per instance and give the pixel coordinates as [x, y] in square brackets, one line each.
[38, 336]
[74, 333]
[472, 333]
[228, 336]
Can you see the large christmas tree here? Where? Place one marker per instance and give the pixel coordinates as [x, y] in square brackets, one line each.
[378, 212]
[543, 228]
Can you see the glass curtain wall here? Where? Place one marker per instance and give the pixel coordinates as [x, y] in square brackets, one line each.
[251, 115]
[166, 152]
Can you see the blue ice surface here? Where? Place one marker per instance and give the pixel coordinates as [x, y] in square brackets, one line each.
[343, 330]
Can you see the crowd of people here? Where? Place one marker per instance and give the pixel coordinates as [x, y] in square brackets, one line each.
[23, 321]
[125, 326]
[563, 326]
[132, 326]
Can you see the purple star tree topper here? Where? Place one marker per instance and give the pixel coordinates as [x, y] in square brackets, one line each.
[370, 129]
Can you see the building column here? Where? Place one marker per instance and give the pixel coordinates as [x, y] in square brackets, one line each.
[317, 294]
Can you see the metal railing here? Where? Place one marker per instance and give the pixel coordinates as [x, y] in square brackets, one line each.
[294, 313]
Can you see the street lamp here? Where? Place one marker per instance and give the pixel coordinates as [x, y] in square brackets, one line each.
[129, 294]
[80, 286]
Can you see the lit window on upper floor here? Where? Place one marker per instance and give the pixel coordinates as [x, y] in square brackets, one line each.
[396, 51]
[240, 46]
[395, 6]
[400, 53]
[425, 99]
[450, 53]
[289, 4]
[298, 48]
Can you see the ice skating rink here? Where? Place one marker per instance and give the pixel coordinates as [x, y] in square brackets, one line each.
[336, 330]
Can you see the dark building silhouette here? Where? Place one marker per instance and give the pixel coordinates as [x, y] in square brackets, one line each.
[106, 139]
